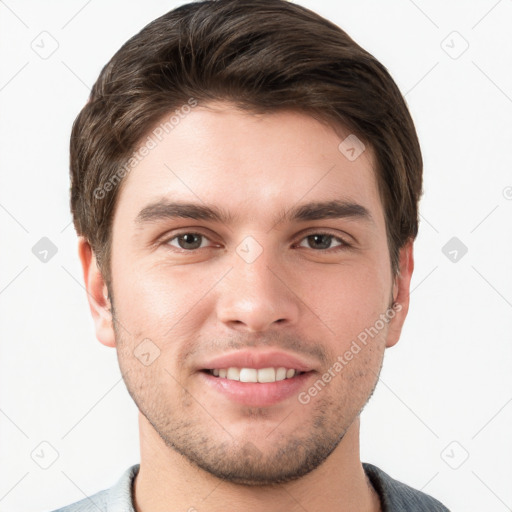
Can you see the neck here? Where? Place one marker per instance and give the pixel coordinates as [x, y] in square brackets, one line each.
[166, 478]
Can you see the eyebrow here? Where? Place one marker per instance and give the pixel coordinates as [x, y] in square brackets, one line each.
[318, 210]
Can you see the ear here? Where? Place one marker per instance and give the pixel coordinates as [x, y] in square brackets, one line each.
[401, 286]
[97, 294]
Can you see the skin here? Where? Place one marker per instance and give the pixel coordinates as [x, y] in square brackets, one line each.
[200, 450]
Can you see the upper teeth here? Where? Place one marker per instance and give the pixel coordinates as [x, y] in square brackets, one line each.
[255, 375]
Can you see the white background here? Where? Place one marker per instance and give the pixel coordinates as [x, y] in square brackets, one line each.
[447, 383]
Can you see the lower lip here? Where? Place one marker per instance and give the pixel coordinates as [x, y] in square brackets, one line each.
[256, 394]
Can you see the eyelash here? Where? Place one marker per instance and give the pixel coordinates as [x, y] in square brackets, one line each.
[345, 245]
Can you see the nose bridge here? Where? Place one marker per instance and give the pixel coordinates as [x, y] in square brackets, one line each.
[254, 295]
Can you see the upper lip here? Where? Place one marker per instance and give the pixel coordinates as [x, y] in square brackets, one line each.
[257, 360]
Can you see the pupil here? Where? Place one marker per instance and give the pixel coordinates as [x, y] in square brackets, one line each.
[326, 240]
[188, 239]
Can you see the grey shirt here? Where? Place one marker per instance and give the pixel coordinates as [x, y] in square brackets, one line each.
[394, 496]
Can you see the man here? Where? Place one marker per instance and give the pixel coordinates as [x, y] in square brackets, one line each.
[245, 184]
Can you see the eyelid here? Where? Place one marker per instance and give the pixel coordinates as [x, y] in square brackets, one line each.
[343, 244]
[320, 231]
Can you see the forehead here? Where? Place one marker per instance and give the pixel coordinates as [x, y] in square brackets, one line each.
[253, 166]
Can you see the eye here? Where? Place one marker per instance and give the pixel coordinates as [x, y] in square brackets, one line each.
[190, 241]
[187, 241]
[322, 241]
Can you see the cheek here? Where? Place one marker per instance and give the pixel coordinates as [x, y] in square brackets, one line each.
[157, 297]
[350, 299]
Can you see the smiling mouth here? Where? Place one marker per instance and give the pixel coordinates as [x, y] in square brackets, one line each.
[261, 375]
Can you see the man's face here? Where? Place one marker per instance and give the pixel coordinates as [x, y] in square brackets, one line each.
[300, 291]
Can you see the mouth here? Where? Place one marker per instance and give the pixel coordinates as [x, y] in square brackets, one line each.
[256, 387]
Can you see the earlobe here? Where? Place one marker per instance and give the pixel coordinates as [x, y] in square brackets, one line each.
[401, 288]
[96, 294]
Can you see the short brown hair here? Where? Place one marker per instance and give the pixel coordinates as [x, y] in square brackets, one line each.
[262, 56]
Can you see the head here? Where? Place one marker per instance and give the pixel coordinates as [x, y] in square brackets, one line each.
[251, 110]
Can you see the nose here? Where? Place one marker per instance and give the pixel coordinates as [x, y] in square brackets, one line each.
[257, 295]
